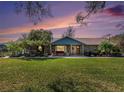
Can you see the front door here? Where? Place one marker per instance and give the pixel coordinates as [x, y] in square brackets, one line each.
[78, 50]
[75, 50]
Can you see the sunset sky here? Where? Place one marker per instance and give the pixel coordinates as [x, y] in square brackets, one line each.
[110, 21]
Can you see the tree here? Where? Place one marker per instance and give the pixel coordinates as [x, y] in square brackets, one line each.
[70, 32]
[105, 48]
[34, 42]
[40, 38]
[119, 41]
[44, 36]
[34, 10]
[14, 48]
[92, 7]
[24, 42]
[37, 41]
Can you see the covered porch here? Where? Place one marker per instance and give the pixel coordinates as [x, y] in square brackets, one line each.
[67, 50]
[67, 46]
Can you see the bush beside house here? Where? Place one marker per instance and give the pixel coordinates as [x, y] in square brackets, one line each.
[106, 48]
[119, 41]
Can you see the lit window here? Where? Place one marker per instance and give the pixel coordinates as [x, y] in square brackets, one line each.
[78, 47]
[59, 48]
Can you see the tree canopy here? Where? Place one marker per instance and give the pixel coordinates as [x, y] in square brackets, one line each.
[42, 37]
[107, 48]
[119, 41]
[92, 7]
[34, 10]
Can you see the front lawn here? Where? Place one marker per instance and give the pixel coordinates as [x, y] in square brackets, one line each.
[88, 74]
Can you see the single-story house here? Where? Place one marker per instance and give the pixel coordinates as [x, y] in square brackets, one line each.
[2, 47]
[74, 46]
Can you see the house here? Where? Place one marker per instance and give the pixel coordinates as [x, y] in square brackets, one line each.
[74, 46]
[2, 47]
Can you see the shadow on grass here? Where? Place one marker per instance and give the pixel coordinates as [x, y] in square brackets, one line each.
[38, 59]
[77, 83]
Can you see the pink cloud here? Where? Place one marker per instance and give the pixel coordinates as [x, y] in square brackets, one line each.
[50, 24]
[7, 39]
[54, 23]
[117, 10]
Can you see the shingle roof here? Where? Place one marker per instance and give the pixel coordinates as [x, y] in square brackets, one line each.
[90, 41]
[87, 41]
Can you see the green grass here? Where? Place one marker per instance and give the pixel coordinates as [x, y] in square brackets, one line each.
[88, 74]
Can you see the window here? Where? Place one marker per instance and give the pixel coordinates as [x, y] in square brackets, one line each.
[78, 47]
[59, 48]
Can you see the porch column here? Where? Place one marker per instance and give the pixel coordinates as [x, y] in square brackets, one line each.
[55, 49]
[65, 49]
[50, 49]
[82, 49]
[70, 49]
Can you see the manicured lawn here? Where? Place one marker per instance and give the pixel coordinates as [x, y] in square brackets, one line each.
[88, 74]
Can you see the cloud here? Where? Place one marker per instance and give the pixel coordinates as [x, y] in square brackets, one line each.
[49, 24]
[117, 10]
[7, 39]
[54, 23]
[100, 24]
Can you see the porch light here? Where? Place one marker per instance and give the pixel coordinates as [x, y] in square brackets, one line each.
[40, 48]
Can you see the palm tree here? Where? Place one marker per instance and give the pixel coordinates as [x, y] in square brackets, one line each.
[106, 48]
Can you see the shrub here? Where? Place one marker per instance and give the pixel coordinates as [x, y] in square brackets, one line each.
[115, 51]
[108, 49]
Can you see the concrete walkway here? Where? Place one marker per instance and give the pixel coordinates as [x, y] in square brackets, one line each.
[79, 57]
[63, 57]
[67, 57]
